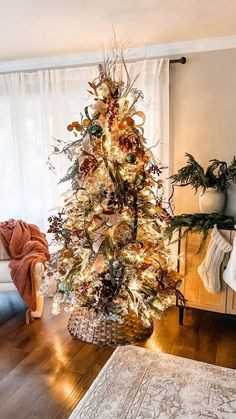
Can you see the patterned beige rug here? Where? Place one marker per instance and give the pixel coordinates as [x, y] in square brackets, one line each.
[138, 383]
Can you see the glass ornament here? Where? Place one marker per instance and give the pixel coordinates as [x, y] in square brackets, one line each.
[97, 131]
[131, 158]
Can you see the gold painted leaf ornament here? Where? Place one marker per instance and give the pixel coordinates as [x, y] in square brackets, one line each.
[99, 238]
[99, 264]
[141, 115]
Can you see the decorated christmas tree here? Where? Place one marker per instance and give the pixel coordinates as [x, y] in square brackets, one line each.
[112, 256]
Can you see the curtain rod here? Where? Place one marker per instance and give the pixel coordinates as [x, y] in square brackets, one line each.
[181, 60]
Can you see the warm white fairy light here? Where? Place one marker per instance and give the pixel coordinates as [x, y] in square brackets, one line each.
[111, 236]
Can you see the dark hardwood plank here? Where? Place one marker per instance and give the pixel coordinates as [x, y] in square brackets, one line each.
[87, 355]
[88, 378]
[48, 403]
[186, 341]
[44, 371]
[10, 358]
[32, 367]
[165, 332]
[208, 337]
[12, 326]
[226, 348]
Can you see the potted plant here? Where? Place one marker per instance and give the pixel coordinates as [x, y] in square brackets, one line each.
[213, 182]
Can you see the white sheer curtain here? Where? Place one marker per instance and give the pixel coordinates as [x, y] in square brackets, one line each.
[37, 106]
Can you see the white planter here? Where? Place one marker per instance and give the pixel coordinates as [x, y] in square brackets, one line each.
[212, 201]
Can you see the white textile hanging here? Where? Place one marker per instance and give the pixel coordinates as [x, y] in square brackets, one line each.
[37, 106]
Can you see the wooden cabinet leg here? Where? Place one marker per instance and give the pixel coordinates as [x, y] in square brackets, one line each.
[181, 315]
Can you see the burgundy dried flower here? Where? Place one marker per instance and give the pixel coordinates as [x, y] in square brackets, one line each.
[129, 142]
[88, 164]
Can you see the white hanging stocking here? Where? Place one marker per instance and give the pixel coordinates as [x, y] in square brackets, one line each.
[209, 270]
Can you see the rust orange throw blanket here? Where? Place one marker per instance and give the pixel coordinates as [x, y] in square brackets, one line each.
[25, 245]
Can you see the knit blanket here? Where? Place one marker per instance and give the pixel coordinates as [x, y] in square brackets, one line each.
[26, 245]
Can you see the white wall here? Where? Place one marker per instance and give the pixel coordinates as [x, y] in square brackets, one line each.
[202, 115]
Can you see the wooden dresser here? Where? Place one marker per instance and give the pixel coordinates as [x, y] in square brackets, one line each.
[193, 288]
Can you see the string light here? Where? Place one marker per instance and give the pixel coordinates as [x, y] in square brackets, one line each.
[110, 229]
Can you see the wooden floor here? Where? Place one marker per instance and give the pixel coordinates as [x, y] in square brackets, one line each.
[44, 372]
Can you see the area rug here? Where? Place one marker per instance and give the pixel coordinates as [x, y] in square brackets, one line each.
[138, 383]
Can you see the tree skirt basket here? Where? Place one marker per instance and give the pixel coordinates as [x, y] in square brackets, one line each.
[82, 324]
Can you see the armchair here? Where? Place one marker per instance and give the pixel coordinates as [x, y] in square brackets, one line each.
[9, 295]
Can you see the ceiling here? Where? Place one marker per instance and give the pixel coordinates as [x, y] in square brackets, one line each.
[39, 28]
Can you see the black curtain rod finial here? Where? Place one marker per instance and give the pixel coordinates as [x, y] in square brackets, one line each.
[181, 60]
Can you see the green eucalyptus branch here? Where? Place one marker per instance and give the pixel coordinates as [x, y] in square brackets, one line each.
[218, 175]
[199, 223]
